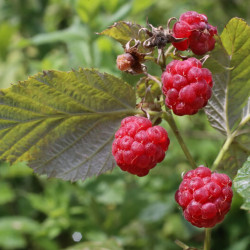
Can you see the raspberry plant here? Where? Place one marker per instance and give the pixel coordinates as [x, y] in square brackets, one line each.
[78, 124]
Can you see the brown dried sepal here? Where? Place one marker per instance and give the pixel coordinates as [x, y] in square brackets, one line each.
[131, 60]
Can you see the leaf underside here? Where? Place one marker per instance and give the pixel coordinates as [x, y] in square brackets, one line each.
[231, 85]
[242, 184]
[228, 108]
[63, 123]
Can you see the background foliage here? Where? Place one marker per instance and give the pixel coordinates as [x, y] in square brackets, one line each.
[116, 211]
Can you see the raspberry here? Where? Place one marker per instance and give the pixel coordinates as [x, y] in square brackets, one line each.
[187, 86]
[125, 61]
[139, 146]
[197, 30]
[205, 197]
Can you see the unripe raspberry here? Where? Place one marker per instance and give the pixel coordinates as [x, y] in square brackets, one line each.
[197, 30]
[125, 61]
[187, 86]
[205, 197]
[139, 146]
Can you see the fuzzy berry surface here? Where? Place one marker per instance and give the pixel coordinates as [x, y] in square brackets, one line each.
[205, 197]
[187, 86]
[197, 30]
[139, 146]
[125, 61]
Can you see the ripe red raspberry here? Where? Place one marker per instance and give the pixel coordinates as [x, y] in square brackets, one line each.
[197, 30]
[139, 146]
[205, 197]
[187, 86]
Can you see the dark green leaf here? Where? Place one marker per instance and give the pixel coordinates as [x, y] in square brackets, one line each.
[63, 123]
[242, 184]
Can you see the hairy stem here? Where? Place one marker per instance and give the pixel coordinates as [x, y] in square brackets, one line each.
[207, 241]
[169, 118]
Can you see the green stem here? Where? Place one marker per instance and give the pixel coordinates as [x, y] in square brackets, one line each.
[207, 241]
[181, 244]
[167, 52]
[153, 78]
[227, 143]
[169, 118]
[151, 58]
[222, 152]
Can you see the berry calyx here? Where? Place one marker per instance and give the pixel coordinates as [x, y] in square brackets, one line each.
[205, 197]
[139, 146]
[187, 86]
[197, 30]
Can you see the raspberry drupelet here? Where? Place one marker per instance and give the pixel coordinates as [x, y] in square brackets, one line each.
[187, 86]
[197, 30]
[205, 197]
[139, 146]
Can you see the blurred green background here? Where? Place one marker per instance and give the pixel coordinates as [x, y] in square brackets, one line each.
[115, 210]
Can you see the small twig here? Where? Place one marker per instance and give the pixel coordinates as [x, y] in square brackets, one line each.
[181, 244]
[203, 59]
[167, 52]
[153, 78]
[147, 114]
[163, 65]
[151, 58]
[170, 20]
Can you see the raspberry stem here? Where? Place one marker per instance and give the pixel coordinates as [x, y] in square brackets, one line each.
[169, 118]
[207, 241]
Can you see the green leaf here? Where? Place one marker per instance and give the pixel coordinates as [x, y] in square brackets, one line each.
[19, 224]
[87, 9]
[239, 149]
[110, 244]
[63, 123]
[76, 32]
[242, 184]
[125, 31]
[7, 193]
[119, 14]
[156, 211]
[232, 85]
[6, 33]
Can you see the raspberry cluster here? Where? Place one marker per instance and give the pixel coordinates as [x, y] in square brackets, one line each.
[205, 197]
[187, 86]
[139, 146]
[197, 30]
